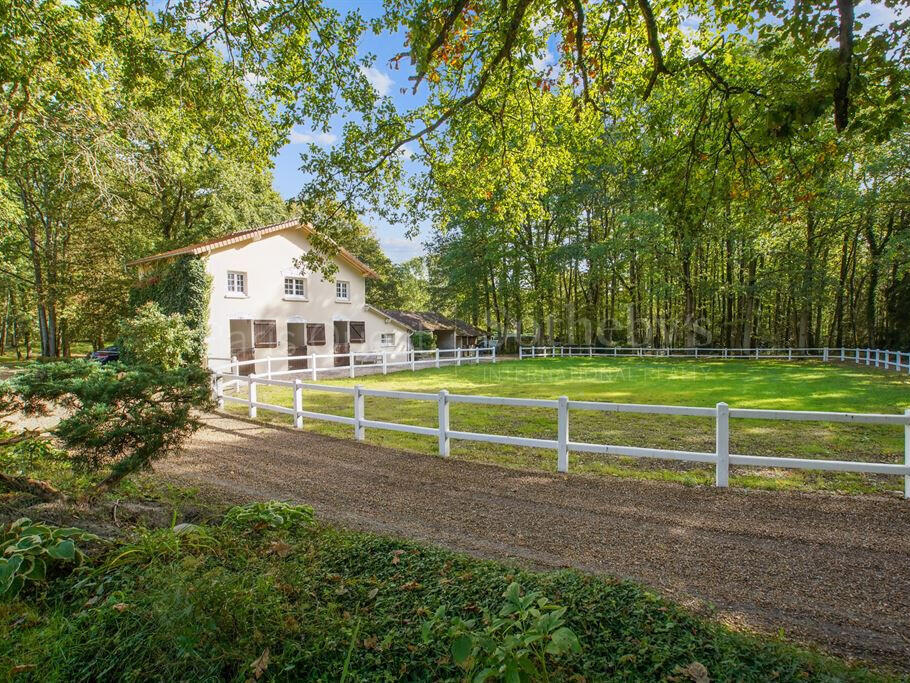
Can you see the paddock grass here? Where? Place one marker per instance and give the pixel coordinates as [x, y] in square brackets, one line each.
[767, 384]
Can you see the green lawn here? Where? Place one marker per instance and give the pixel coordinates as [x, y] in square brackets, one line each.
[8, 357]
[753, 384]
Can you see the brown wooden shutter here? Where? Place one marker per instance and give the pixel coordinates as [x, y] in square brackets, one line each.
[265, 334]
[315, 334]
[358, 332]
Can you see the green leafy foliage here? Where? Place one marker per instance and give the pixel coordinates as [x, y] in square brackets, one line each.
[181, 286]
[272, 514]
[319, 599]
[122, 418]
[22, 456]
[152, 338]
[423, 341]
[30, 550]
[511, 645]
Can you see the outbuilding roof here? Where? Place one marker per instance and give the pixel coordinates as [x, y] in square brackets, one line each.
[430, 321]
[201, 248]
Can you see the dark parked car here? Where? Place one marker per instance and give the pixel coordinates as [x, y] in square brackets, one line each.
[105, 355]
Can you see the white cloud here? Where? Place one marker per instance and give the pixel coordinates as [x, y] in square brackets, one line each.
[380, 81]
[542, 61]
[298, 138]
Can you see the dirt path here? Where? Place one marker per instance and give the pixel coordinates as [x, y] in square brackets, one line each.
[829, 570]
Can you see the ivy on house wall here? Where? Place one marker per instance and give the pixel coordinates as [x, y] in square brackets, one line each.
[180, 286]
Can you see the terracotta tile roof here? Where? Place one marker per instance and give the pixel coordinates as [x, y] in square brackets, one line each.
[430, 321]
[254, 233]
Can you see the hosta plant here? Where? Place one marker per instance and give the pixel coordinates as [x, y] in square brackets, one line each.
[29, 549]
[272, 514]
[514, 644]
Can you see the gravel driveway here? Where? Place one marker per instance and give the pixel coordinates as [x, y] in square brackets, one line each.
[829, 570]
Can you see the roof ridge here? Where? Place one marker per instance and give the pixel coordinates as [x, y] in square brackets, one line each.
[241, 235]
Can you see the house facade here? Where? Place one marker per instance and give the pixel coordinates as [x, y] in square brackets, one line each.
[261, 305]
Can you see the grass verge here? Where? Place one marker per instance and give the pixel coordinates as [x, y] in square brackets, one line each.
[227, 603]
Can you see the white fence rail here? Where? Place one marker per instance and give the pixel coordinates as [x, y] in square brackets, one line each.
[879, 358]
[721, 457]
[360, 360]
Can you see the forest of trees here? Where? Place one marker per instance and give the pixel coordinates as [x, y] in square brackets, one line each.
[727, 210]
[648, 173]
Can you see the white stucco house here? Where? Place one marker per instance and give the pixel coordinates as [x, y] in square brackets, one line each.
[261, 305]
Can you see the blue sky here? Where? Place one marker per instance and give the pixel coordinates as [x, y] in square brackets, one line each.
[288, 179]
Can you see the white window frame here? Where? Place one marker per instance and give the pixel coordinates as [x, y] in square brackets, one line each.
[233, 292]
[293, 296]
[347, 291]
[382, 339]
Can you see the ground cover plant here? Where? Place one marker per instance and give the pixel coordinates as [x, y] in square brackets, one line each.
[234, 601]
[741, 383]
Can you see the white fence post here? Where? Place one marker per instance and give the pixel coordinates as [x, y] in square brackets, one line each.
[358, 413]
[878, 358]
[520, 352]
[532, 351]
[235, 369]
[562, 435]
[268, 367]
[219, 392]
[476, 356]
[385, 362]
[437, 357]
[494, 355]
[458, 356]
[298, 404]
[313, 365]
[443, 423]
[722, 468]
[413, 360]
[251, 395]
[842, 354]
[857, 355]
[351, 363]
[789, 354]
[825, 355]
[907, 453]
[867, 356]
[590, 352]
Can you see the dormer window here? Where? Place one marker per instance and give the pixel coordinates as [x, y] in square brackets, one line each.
[342, 290]
[236, 283]
[295, 288]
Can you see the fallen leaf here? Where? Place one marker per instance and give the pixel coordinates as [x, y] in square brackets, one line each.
[410, 586]
[280, 548]
[695, 671]
[21, 668]
[371, 643]
[260, 664]
[120, 606]
[372, 594]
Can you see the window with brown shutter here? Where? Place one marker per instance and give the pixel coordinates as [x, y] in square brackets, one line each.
[358, 332]
[265, 334]
[315, 334]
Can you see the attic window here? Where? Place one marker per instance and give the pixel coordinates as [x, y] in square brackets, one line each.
[342, 290]
[236, 283]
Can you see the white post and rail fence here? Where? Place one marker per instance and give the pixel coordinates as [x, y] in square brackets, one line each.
[720, 458]
[879, 358]
[354, 361]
